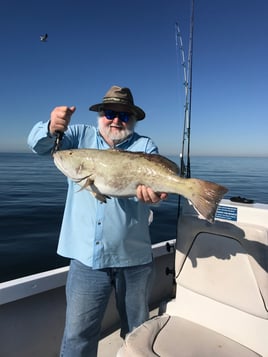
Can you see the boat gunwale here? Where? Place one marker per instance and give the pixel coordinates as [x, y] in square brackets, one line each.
[30, 285]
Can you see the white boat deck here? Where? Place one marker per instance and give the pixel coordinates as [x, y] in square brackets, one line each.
[109, 345]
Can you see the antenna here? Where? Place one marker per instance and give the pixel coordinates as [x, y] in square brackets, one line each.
[187, 76]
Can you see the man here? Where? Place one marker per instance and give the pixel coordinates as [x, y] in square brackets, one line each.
[108, 244]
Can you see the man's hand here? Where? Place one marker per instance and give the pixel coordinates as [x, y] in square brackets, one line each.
[60, 118]
[147, 195]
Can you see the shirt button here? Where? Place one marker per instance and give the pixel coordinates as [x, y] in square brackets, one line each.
[99, 223]
[97, 243]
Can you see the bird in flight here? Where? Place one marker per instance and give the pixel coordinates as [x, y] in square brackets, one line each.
[43, 38]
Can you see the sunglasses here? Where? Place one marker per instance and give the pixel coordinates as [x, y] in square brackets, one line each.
[111, 114]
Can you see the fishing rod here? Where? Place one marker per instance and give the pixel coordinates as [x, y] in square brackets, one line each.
[187, 76]
[180, 52]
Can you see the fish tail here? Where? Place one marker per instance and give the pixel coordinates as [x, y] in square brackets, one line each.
[205, 197]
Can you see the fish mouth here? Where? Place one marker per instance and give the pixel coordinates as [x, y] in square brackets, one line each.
[59, 163]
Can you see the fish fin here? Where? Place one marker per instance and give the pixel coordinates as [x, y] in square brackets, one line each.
[99, 196]
[205, 197]
[88, 183]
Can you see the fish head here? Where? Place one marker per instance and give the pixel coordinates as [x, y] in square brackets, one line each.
[74, 164]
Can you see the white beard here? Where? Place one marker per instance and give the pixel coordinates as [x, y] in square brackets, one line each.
[119, 135]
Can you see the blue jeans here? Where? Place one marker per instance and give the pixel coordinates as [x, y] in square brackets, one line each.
[88, 292]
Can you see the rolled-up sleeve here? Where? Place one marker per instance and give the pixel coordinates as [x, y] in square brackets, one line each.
[40, 140]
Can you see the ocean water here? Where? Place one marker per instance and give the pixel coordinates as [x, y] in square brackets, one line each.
[32, 196]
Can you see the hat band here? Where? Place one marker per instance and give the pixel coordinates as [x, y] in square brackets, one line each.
[116, 100]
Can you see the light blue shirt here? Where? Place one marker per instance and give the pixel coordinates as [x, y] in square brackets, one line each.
[100, 235]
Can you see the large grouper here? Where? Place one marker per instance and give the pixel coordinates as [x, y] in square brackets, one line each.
[116, 173]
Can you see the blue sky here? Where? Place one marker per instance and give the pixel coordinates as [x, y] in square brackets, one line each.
[94, 44]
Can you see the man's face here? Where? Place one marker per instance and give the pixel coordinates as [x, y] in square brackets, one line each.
[118, 127]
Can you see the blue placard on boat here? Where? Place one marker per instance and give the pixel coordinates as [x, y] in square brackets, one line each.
[227, 212]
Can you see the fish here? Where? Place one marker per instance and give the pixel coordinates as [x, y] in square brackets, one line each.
[117, 173]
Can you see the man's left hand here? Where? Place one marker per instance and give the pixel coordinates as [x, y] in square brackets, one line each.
[147, 195]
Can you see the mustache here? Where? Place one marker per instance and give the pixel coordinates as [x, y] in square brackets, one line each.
[112, 125]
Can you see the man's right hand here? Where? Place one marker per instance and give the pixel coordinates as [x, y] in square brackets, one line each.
[60, 118]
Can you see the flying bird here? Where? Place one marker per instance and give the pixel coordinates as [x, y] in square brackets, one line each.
[43, 38]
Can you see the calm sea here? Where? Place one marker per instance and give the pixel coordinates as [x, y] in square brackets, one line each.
[32, 196]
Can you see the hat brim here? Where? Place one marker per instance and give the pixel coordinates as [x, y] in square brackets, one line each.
[136, 111]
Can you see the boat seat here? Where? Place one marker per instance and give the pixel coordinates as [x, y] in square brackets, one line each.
[220, 308]
[171, 336]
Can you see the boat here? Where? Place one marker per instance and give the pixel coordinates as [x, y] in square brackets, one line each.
[219, 292]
